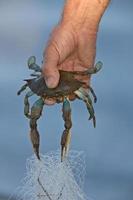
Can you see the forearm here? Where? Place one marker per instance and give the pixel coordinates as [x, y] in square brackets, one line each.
[84, 13]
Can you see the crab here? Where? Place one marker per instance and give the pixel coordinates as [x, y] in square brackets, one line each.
[68, 86]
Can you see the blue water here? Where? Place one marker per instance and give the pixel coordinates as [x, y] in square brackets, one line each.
[24, 30]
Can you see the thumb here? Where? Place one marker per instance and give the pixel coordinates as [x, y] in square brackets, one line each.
[49, 68]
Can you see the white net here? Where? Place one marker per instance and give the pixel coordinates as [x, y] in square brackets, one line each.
[51, 179]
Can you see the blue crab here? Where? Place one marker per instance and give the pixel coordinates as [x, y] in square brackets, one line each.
[68, 86]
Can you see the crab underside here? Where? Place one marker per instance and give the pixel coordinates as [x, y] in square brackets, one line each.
[67, 88]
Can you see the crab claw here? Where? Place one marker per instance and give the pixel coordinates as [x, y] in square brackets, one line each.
[35, 139]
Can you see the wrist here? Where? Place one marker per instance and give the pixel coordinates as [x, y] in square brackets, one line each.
[84, 14]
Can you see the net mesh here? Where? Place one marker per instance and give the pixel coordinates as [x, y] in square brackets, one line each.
[51, 179]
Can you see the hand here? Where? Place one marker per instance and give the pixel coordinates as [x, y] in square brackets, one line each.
[69, 50]
[72, 45]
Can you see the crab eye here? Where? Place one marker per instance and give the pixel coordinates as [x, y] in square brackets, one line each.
[31, 60]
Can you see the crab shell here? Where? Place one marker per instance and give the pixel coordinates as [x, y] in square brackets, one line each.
[67, 85]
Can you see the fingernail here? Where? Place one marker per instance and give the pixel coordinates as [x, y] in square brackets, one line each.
[51, 82]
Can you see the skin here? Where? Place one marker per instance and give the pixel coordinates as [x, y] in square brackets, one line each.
[72, 44]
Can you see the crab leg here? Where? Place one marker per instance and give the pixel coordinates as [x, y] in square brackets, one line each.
[22, 89]
[35, 75]
[93, 94]
[83, 95]
[66, 136]
[36, 112]
[26, 104]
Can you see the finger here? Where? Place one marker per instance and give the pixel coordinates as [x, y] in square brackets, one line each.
[49, 68]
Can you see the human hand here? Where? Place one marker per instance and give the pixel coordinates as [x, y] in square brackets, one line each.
[72, 45]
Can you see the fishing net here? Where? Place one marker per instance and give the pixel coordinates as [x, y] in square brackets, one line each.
[51, 179]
